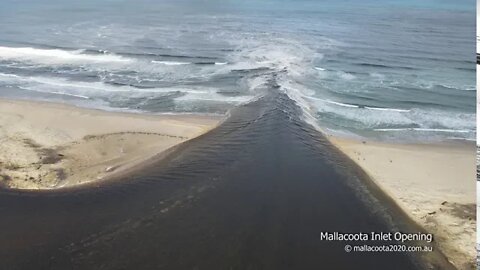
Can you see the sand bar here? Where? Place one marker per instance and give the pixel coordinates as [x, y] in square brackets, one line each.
[433, 183]
[49, 145]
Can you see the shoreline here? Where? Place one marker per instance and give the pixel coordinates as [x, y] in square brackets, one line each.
[419, 178]
[48, 145]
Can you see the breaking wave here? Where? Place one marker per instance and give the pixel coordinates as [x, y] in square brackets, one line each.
[51, 56]
[328, 96]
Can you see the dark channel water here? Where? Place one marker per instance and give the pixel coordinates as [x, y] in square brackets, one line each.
[254, 193]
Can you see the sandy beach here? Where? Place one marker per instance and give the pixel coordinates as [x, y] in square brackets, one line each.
[49, 145]
[433, 183]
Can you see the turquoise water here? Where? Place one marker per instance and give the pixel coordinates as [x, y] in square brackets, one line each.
[383, 69]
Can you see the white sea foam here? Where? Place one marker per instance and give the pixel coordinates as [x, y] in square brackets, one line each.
[346, 76]
[55, 93]
[253, 84]
[171, 63]
[213, 96]
[9, 76]
[278, 54]
[377, 75]
[81, 89]
[49, 56]
[386, 109]
[356, 106]
[332, 102]
[375, 118]
[425, 130]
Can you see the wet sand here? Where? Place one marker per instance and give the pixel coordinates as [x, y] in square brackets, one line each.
[433, 183]
[48, 145]
[254, 193]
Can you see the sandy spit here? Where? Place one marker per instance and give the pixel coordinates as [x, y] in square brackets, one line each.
[49, 145]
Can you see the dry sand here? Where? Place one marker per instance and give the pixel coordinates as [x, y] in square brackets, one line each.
[48, 145]
[434, 184]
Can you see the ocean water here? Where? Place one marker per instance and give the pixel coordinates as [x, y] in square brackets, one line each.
[384, 69]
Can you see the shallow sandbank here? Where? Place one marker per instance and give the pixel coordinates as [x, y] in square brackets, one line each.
[49, 145]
